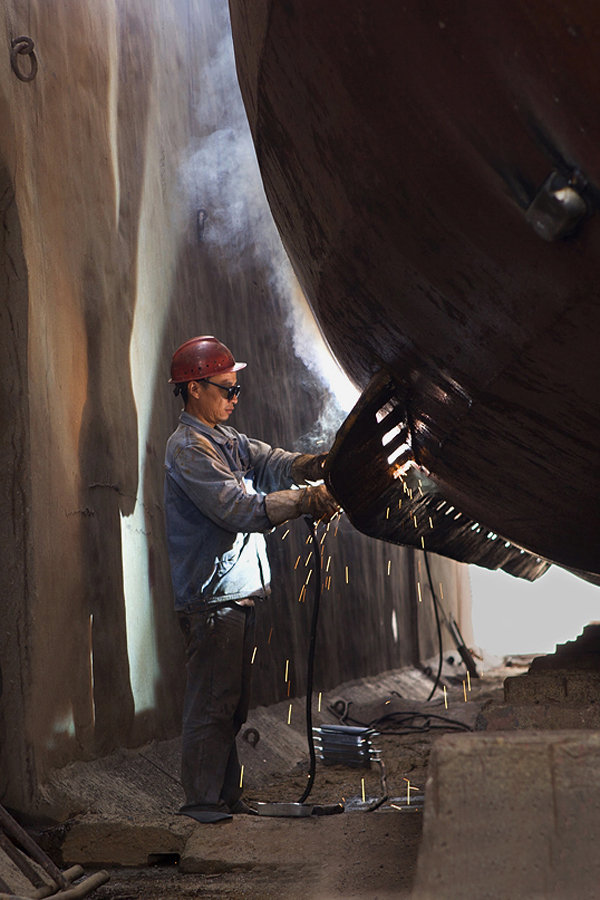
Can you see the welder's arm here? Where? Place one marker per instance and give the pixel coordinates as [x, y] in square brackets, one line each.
[315, 501]
[308, 467]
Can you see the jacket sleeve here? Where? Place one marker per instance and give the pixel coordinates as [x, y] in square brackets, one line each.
[199, 470]
[272, 467]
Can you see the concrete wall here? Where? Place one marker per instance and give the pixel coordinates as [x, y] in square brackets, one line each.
[130, 128]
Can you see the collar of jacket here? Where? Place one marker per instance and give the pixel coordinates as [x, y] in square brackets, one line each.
[217, 434]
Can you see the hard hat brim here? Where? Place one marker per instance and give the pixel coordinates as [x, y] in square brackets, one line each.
[235, 368]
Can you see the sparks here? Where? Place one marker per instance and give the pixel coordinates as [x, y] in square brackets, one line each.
[308, 558]
[422, 542]
[297, 561]
[254, 656]
[328, 564]
[346, 574]
[308, 578]
[389, 566]
[302, 593]
[289, 685]
[290, 714]
[287, 669]
[362, 784]
[465, 690]
[387, 513]
[241, 776]
[445, 697]
[407, 791]
[285, 535]
[469, 680]
[419, 591]
[430, 522]
[415, 521]
[319, 705]
[441, 591]
[269, 639]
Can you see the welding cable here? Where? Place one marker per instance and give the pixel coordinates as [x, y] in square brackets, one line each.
[438, 626]
[312, 527]
[384, 788]
[377, 726]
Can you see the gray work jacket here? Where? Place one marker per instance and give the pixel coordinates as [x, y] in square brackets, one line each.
[215, 485]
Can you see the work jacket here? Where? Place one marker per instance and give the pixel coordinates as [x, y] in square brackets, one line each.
[215, 485]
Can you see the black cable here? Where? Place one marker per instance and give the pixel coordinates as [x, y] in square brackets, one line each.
[312, 527]
[439, 628]
[376, 725]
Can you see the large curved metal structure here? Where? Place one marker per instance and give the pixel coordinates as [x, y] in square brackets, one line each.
[433, 172]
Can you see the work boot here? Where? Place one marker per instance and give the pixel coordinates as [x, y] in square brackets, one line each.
[206, 814]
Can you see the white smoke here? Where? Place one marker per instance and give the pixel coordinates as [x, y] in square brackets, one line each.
[221, 177]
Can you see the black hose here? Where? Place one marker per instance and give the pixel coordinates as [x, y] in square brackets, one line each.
[312, 527]
[439, 628]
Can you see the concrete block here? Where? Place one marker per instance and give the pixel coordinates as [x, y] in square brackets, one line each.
[512, 815]
[575, 688]
[94, 842]
[538, 716]
[583, 653]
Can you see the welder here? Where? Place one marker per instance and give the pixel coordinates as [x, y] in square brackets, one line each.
[223, 492]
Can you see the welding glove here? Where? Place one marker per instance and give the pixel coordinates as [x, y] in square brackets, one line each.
[308, 467]
[315, 501]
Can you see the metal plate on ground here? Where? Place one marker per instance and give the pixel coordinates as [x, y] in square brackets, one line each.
[287, 810]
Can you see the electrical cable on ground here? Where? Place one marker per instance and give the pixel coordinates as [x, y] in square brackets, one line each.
[402, 718]
[312, 527]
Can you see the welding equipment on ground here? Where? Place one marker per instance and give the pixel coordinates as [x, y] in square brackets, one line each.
[346, 745]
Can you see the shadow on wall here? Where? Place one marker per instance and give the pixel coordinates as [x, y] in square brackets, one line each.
[15, 488]
[109, 433]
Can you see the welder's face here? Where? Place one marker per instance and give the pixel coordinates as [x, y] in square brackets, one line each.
[211, 401]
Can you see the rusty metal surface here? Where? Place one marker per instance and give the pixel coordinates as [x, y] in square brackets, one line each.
[397, 501]
[414, 157]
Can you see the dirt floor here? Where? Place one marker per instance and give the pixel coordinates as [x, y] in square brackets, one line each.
[368, 851]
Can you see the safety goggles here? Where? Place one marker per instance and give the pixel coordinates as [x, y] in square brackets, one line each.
[231, 392]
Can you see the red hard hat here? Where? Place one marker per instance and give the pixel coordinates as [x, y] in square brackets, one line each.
[201, 357]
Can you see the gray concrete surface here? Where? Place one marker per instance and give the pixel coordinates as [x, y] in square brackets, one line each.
[538, 716]
[512, 815]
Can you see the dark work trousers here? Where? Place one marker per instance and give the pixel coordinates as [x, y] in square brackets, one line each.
[219, 647]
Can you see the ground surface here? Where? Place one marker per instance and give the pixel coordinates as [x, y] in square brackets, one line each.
[363, 852]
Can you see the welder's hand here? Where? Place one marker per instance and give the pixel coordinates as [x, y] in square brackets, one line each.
[308, 467]
[317, 502]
